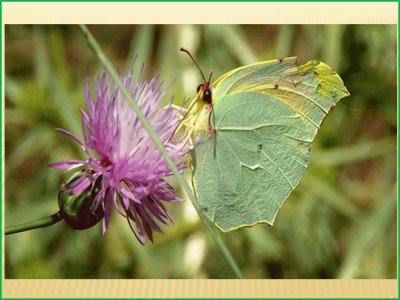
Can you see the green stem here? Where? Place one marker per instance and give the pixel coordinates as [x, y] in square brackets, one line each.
[45, 222]
[154, 137]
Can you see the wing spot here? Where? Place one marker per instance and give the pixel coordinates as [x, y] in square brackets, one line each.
[295, 83]
[259, 148]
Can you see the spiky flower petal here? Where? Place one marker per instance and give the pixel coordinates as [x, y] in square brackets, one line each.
[124, 168]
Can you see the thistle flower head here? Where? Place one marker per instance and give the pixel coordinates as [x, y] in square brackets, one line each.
[124, 169]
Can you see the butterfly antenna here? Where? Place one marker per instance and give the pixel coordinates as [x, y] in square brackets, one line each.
[209, 75]
[190, 55]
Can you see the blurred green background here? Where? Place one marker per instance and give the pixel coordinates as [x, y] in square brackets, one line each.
[339, 223]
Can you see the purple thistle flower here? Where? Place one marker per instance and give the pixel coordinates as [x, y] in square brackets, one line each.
[124, 168]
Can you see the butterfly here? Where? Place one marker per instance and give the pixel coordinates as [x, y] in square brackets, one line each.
[252, 130]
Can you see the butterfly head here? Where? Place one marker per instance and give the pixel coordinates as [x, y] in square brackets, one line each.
[204, 91]
[198, 119]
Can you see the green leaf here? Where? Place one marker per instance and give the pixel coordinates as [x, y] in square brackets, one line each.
[265, 115]
[356, 152]
[285, 40]
[233, 35]
[141, 46]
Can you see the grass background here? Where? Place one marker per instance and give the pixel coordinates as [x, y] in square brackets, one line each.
[339, 223]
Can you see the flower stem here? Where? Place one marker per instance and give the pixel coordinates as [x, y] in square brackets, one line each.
[154, 137]
[45, 222]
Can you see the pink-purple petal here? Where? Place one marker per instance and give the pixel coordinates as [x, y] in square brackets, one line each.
[67, 164]
[107, 209]
[123, 167]
[72, 136]
[79, 185]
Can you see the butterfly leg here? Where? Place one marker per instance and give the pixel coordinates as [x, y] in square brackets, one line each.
[211, 130]
[184, 120]
[189, 135]
[179, 108]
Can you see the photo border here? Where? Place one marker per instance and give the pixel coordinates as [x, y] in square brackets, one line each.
[156, 12]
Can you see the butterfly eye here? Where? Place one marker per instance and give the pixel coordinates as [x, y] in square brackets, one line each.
[200, 87]
[207, 97]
